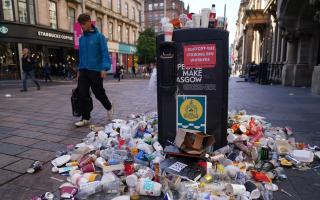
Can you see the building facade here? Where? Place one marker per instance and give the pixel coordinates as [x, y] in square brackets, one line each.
[283, 35]
[46, 28]
[154, 11]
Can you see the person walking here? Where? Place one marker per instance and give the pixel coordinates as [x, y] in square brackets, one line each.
[92, 69]
[47, 72]
[133, 71]
[27, 67]
[118, 72]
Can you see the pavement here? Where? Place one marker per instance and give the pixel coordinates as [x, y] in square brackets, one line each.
[36, 124]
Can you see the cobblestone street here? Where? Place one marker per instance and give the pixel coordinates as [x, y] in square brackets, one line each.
[36, 124]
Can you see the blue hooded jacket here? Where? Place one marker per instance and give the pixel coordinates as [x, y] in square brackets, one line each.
[93, 51]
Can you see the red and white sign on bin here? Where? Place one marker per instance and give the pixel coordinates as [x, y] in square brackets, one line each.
[200, 56]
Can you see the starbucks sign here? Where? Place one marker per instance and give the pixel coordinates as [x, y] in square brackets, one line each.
[4, 30]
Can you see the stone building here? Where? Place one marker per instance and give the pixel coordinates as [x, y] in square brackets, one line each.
[283, 34]
[46, 28]
[154, 11]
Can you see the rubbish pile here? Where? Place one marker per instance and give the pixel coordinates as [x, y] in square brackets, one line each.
[124, 160]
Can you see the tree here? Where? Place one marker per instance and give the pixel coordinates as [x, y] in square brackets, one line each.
[147, 46]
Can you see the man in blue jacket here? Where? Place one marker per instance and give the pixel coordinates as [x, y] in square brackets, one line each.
[93, 66]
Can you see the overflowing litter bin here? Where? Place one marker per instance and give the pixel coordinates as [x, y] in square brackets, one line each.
[193, 83]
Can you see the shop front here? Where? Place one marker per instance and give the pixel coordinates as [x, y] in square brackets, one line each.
[113, 48]
[46, 46]
[127, 58]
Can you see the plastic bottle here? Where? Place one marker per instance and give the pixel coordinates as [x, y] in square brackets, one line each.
[87, 189]
[212, 16]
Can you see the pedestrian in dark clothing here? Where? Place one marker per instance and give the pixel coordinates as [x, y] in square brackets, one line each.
[134, 71]
[47, 72]
[27, 67]
[118, 71]
[92, 69]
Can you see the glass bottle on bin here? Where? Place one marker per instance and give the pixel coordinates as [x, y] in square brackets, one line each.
[212, 17]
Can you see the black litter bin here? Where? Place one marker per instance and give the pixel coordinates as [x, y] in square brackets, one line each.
[192, 74]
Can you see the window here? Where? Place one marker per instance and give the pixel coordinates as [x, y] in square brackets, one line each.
[71, 16]
[155, 5]
[23, 11]
[126, 9]
[119, 34]
[119, 6]
[7, 10]
[161, 5]
[110, 4]
[110, 29]
[99, 24]
[173, 5]
[53, 14]
[31, 12]
[139, 18]
[127, 35]
[134, 37]
[98, 2]
[150, 6]
[133, 13]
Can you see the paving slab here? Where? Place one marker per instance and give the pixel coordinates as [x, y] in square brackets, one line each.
[20, 166]
[23, 141]
[43, 180]
[6, 176]
[12, 149]
[15, 192]
[51, 138]
[51, 146]
[38, 154]
[6, 130]
[6, 160]
[26, 133]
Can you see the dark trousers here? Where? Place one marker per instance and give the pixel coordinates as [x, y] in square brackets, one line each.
[91, 79]
[47, 77]
[29, 74]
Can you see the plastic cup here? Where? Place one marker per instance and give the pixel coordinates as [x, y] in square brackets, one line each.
[235, 189]
[88, 168]
[100, 162]
[196, 20]
[205, 12]
[148, 187]
[168, 32]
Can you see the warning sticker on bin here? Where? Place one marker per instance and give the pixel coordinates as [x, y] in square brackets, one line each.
[191, 112]
[200, 56]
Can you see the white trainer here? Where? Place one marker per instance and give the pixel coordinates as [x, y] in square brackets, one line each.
[81, 123]
[110, 112]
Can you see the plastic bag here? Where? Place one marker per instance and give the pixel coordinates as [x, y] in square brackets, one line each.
[153, 81]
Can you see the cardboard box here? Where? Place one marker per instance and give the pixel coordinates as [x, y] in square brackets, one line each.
[193, 142]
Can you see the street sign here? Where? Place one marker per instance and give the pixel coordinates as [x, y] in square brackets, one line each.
[191, 112]
[4, 30]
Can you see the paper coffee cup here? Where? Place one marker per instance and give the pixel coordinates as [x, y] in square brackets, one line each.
[149, 188]
[235, 189]
[67, 190]
[168, 32]
[88, 168]
[252, 188]
[196, 20]
[205, 12]
[92, 177]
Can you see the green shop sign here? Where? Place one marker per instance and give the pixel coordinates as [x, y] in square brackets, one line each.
[128, 49]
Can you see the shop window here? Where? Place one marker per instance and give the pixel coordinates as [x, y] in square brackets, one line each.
[9, 61]
[119, 33]
[53, 14]
[71, 16]
[23, 11]
[110, 29]
[173, 5]
[7, 9]
[119, 6]
[99, 23]
[126, 9]
[133, 13]
[150, 6]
